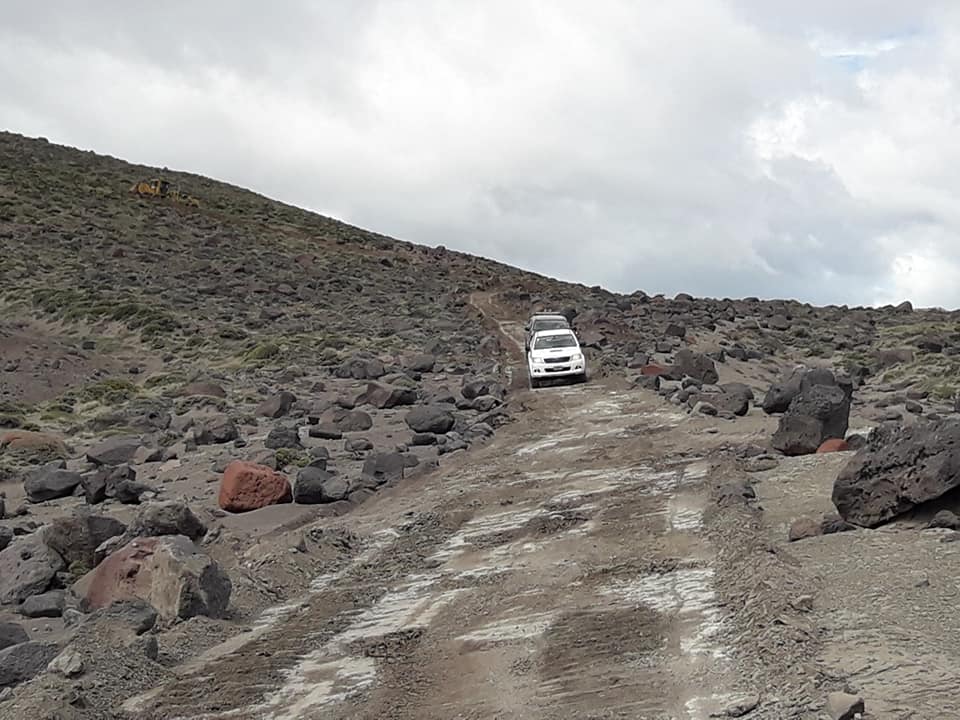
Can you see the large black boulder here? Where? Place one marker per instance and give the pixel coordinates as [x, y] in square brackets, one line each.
[435, 419]
[700, 367]
[819, 411]
[898, 469]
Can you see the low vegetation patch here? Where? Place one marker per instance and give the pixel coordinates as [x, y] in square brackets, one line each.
[109, 392]
[74, 305]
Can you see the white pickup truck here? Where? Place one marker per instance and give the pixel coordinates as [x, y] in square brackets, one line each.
[555, 354]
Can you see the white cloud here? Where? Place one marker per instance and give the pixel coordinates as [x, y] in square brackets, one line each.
[721, 148]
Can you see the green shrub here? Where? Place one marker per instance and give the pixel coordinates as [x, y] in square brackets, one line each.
[109, 392]
[289, 456]
[264, 351]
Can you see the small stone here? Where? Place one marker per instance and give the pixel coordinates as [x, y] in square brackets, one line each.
[914, 407]
[68, 663]
[803, 603]
[945, 519]
[742, 707]
[761, 463]
[842, 706]
[325, 432]
[804, 528]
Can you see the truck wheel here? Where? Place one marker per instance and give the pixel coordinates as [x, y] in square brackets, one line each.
[534, 383]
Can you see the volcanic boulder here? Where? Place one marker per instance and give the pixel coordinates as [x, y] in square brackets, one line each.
[23, 662]
[897, 470]
[361, 368]
[696, 365]
[782, 392]
[818, 413]
[76, 537]
[115, 450]
[166, 518]
[430, 419]
[315, 485]
[50, 482]
[27, 567]
[276, 406]
[388, 396]
[216, 431]
[12, 634]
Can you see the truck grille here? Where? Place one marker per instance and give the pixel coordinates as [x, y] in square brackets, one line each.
[556, 359]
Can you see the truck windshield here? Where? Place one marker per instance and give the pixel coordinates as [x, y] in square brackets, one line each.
[552, 324]
[555, 341]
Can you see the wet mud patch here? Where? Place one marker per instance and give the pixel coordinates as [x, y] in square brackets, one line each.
[537, 526]
[575, 640]
[391, 646]
[604, 660]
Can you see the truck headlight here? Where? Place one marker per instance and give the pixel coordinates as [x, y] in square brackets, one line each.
[576, 357]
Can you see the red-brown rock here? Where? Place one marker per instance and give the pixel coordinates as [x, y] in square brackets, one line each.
[25, 440]
[833, 445]
[654, 370]
[248, 486]
[170, 573]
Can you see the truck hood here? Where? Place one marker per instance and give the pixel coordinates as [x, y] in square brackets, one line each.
[554, 352]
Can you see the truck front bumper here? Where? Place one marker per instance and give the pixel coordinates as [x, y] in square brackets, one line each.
[549, 370]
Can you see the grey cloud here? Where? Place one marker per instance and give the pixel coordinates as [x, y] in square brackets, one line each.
[609, 147]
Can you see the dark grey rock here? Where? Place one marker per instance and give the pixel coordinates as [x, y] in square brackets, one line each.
[352, 421]
[27, 567]
[283, 436]
[435, 419]
[12, 634]
[216, 431]
[818, 413]
[361, 368]
[46, 605]
[76, 537]
[166, 518]
[276, 406]
[389, 396]
[358, 445]
[115, 450]
[945, 519]
[49, 483]
[385, 466]
[325, 432]
[316, 485]
[23, 662]
[421, 363]
[695, 365]
[899, 469]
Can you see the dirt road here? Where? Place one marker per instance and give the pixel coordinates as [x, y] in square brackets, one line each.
[561, 572]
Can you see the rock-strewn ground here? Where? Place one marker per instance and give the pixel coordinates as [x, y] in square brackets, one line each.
[209, 412]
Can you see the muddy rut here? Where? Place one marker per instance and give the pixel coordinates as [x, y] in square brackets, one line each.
[561, 572]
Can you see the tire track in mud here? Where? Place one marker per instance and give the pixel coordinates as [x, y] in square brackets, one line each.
[560, 574]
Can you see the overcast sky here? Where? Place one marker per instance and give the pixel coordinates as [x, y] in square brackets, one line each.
[717, 147]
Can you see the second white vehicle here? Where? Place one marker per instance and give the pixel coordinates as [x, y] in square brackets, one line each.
[555, 354]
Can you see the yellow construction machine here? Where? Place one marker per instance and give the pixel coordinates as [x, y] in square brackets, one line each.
[161, 188]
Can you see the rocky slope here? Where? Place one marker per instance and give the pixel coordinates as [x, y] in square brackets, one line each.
[185, 392]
